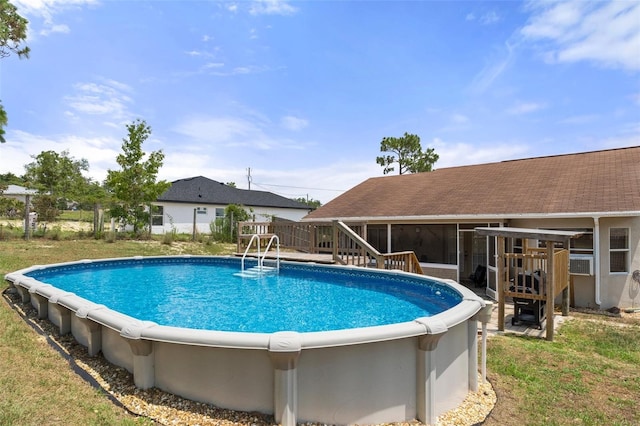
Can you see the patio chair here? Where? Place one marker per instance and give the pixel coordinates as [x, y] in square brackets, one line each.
[479, 275]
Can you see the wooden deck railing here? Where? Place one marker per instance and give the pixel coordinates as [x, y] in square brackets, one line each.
[403, 260]
[351, 249]
[526, 274]
[346, 242]
[304, 237]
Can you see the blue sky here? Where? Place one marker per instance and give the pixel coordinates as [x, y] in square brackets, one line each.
[302, 92]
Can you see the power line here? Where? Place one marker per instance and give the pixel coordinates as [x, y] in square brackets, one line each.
[300, 187]
[283, 194]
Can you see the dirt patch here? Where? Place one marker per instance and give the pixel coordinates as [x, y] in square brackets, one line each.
[73, 226]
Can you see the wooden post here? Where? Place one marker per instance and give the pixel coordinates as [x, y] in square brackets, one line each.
[567, 292]
[572, 297]
[193, 237]
[550, 289]
[335, 239]
[27, 225]
[499, 284]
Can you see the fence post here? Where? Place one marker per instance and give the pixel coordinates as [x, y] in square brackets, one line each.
[335, 239]
[27, 225]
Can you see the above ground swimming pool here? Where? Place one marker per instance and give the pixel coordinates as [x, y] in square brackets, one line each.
[321, 343]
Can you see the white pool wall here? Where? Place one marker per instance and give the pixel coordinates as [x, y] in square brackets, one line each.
[393, 373]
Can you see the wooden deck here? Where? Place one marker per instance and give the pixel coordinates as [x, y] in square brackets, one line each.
[295, 256]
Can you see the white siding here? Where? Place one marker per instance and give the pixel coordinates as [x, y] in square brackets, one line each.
[180, 217]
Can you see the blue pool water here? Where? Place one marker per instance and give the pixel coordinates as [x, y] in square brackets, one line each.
[204, 293]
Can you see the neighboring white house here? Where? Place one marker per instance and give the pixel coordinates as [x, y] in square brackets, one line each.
[18, 193]
[199, 201]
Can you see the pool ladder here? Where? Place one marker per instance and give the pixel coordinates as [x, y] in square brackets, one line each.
[260, 269]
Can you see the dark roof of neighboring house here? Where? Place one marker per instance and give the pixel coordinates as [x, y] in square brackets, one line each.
[202, 190]
[591, 182]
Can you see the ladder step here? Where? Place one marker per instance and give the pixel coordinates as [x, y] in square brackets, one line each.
[255, 272]
[247, 274]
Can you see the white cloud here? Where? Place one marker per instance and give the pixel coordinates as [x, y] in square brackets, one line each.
[454, 154]
[272, 7]
[56, 28]
[47, 10]
[606, 33]
[108, 97]
[230, 132]
[579, 119]
[210, 65]
[459, 118]
[525, 108]
[493, 70]
[293, 123]
[21, 146]
[489, 18]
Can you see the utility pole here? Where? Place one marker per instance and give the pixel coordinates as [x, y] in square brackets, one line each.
[249, 177]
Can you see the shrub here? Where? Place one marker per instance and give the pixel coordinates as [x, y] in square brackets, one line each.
[55, 233]
[168, 238]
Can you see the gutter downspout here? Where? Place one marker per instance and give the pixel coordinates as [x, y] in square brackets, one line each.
[596, 244]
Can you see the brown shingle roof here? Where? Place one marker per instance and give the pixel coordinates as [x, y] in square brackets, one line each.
[590, 182]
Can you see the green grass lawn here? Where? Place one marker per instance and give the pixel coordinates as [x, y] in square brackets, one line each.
[589, 375]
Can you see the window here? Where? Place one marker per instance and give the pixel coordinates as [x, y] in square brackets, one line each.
[201, 210]
[618, 250]
[582, 245]
[157, 215]
[219, 212]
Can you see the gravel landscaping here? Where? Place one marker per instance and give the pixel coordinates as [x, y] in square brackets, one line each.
[167, 409]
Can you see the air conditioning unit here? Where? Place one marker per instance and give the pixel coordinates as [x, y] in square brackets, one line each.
[581, 264]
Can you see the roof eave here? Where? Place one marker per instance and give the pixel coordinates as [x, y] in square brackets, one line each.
[211, 203]
[478, 217]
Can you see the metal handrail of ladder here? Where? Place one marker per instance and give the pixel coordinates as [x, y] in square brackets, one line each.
[253, 237]
[266, 250]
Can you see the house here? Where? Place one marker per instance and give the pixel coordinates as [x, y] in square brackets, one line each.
[18, 192]
[198, 201]
[435, 214]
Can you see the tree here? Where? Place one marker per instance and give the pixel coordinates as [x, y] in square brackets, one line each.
[134, 186]
[407, 152]
[3, 123]
[225, 228]
[10, 207]
[9, 179]
[13, 33]
[96, 196]
[59, 175]
[314, 204]
[45, 205]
